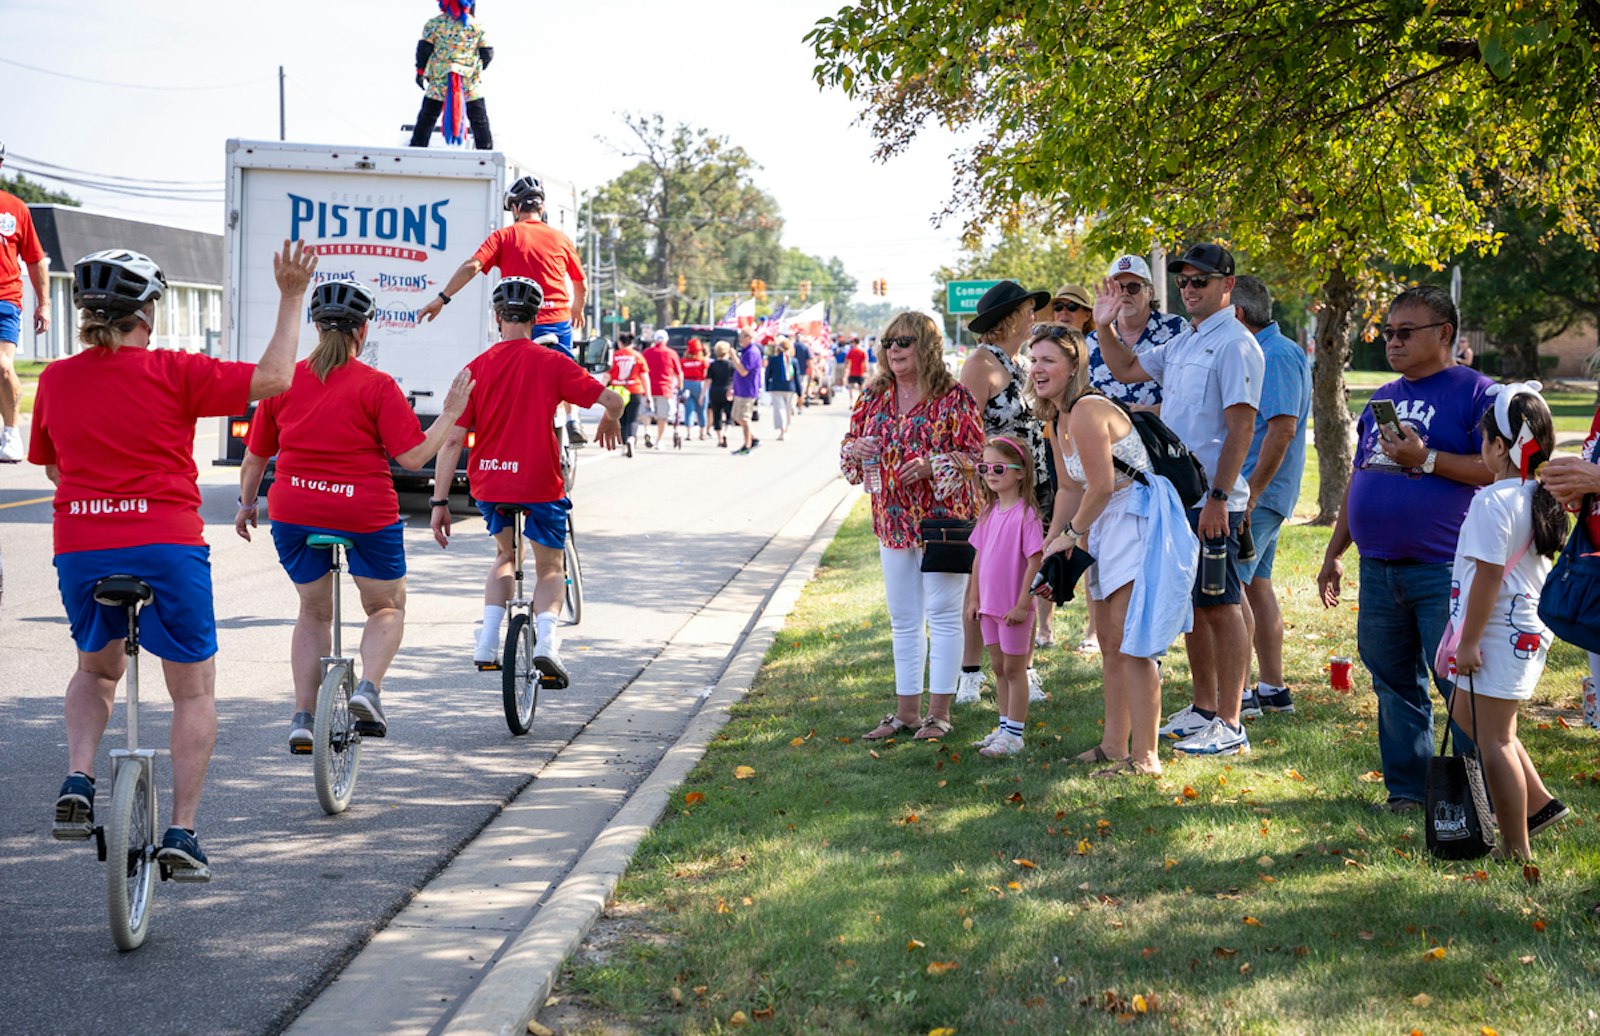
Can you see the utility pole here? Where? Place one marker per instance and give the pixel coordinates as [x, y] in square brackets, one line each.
[282, 123]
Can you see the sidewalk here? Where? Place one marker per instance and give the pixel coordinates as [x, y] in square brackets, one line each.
[478, 949]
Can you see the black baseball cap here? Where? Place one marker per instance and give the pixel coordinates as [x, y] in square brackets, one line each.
[1208, 257]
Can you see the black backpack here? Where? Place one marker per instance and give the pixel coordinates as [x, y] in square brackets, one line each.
[1169, 457]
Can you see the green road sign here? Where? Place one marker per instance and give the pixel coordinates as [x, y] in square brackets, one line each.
[962, 297]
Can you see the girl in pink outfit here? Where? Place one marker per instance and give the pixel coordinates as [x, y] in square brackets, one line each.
[1010, 549]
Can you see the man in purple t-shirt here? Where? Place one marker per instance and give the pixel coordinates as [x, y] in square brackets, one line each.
[746, 386]
[1407, 497]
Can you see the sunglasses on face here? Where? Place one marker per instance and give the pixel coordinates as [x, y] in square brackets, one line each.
[995, 469]
[1130, 287]
[1405, 333]
[1198, 280]
[900, 342]
[1067, 306]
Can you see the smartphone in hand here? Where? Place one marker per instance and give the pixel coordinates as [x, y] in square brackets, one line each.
[1387, 418]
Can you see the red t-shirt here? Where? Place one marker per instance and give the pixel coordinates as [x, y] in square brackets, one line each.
[665, 368]
[119, 426]
[694, 368]
[535, 250]
[333, 440]
[855, 362]
[18, 244]
[628, 370]
[1591, 453]
[516, 458]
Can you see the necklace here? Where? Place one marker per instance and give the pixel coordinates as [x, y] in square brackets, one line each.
[904, 400]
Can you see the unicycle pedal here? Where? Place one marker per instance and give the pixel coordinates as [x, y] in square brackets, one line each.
[487, 667]
[298, 748]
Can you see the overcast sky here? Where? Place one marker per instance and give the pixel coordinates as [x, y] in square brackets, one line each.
[561, 75]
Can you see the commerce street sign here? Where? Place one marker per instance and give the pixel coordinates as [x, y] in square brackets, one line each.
[961, 297]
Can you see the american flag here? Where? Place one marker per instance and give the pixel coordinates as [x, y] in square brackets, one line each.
[731, 317]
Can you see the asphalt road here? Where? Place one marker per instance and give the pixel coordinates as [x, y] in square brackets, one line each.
[295, 893]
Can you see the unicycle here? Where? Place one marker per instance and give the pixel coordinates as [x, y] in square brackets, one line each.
[127, 842]
[519, 680]
[336, 739]
[572, 600]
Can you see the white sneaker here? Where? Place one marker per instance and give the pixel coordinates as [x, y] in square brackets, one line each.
[1184, 723]
[969, 688]
[486, 651]
[548, 661]
[1216, 739]
[10, 446]
[987, 739]
[1004, 744]
[1035, 686]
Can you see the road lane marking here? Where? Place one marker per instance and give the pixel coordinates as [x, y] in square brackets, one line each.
[25, 503]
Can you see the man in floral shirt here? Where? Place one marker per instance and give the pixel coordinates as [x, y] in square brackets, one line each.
[451, 55]
[1140, 325]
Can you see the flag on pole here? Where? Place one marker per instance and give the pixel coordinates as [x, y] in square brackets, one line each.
[740, 314]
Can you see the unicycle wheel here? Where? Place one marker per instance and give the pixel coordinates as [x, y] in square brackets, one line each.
[130, 857]
[519, 680]
[336, 747]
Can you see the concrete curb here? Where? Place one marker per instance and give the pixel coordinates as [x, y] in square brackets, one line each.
[513, 992]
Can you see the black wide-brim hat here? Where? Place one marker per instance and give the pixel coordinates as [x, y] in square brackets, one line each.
[1000, 300]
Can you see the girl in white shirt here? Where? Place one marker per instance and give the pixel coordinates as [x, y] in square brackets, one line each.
[1512, 530]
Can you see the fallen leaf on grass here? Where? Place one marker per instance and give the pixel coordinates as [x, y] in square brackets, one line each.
[1102, 826]
[1139, 1006]
[940, 967]
[763, 1014]
[796, 742]
[1293, 775]
[842, 740]
[911, 818]
[943, 1030]
[1148, 952]
[1422, 999]
[1526, 959]
[1016, 797]
[675, 995]
[1014, 886]
[874, 753]
[694, 798]
[1224, 951]
[738, 1019]
[744, 773]
[914, 944]
[1484, 1030]
[1026, 864]
[1169, 864]
[1530, 874]
[535, 1029]
[1437, 953]
[1252, 922]
[1190, 793]
[1538, 926]
[1083, 847]
[1265, 862]
[1562, 722]
[1364, 936]
[1371, 777]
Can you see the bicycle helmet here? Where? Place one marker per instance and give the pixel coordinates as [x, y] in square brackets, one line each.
[523, 190]
[341, 305]
[116, 280]
[518, 299]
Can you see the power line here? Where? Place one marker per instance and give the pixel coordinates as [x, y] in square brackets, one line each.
[132, 86]
[112, 176]
[206, 195]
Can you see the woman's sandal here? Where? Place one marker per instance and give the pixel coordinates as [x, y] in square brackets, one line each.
[1123, 768]
[1095, 755]
[933, 728]
[888, 727]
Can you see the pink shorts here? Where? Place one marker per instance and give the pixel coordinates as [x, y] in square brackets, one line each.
[1013, 640]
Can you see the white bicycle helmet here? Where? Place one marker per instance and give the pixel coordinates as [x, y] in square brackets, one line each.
[341, 305]
[116, 280]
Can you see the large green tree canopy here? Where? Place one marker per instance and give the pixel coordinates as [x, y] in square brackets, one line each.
[1335, 137]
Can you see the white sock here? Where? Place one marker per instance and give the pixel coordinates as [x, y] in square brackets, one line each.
[1268, 689]
[1004, 724]
[492, 614]
[1012, 727]
[544, 628]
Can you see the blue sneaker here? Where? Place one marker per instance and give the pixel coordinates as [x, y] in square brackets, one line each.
[1216, 739]
[180, 853]
[1279, 701]
[74, 809]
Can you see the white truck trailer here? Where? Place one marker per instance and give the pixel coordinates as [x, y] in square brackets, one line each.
[400, 220]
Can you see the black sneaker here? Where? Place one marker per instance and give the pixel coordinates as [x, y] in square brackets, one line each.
[74, 809]
[754, 442]
[180, 853]
[1282, 701]
[1553, 813]
[575, 436]
[1250, 707]
[367, 712]
[300, 741]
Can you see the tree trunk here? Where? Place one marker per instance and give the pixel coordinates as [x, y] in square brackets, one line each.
[1329, 413]
[1522, 359]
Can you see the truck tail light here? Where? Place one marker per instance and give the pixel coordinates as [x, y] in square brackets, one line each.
[239, 429]
[472, 439]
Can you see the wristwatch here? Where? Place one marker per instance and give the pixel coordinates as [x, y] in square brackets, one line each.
[1218, 493]
[439, 503]
[1427, 465]
[444, 298]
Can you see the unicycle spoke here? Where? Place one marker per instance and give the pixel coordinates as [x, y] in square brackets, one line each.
[336, 751]
[130, 856]
[519, 680]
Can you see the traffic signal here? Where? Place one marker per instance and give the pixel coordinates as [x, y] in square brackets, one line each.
[805, 290]
[624, 312]
[883, 287]
[758, 288]
[683, 284]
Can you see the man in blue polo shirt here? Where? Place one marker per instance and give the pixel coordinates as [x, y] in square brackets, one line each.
[1273, 467]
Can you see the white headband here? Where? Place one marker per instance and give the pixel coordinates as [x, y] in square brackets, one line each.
[1522, 444]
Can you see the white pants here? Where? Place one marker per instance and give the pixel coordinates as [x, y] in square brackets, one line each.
[782, 409]
[925, 621]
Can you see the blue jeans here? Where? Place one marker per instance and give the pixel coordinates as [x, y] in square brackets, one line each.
[694, 403]
[1402, 617]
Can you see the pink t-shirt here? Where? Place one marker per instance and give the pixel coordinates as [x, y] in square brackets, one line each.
[1005, 540]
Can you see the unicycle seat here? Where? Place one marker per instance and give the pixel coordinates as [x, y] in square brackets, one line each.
[122, 591]
[510, 509]
[320, 539]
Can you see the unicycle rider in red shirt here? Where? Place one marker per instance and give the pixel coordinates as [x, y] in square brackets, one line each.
[516, 459]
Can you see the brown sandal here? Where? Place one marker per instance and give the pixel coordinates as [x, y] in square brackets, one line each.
[933, 728]
[888, 727]
[1094, 755]
[1123, 768]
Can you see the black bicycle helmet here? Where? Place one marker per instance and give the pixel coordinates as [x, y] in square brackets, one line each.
[341, 305]
[518, 299]
[116, 281]
[523, 190]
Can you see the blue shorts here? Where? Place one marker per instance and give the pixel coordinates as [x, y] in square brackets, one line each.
[375, 555]
[546, 524]
[1264, 526]
[562, 330]
[10, 322]
[178, 624]
[1230, 584]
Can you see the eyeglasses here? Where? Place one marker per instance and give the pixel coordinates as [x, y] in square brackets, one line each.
[1198, 280]
[1130, 287]
[900, 342]
[996, 469]
[1404, 333]
[1069, 306]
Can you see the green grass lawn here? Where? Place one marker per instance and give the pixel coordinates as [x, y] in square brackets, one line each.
[847, 887]
[28, 374]
[1573, 411]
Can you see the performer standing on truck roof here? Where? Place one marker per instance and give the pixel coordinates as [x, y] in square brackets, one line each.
[451, 55]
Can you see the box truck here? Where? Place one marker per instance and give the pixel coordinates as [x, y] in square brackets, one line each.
[400, 220]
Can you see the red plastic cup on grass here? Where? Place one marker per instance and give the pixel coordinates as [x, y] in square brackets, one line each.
[1339, 673]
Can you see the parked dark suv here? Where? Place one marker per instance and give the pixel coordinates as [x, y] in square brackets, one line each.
[678, 337]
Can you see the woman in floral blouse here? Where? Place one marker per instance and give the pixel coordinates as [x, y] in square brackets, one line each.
[924, 430]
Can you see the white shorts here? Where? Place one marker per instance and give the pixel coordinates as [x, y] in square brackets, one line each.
[1116, 539]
